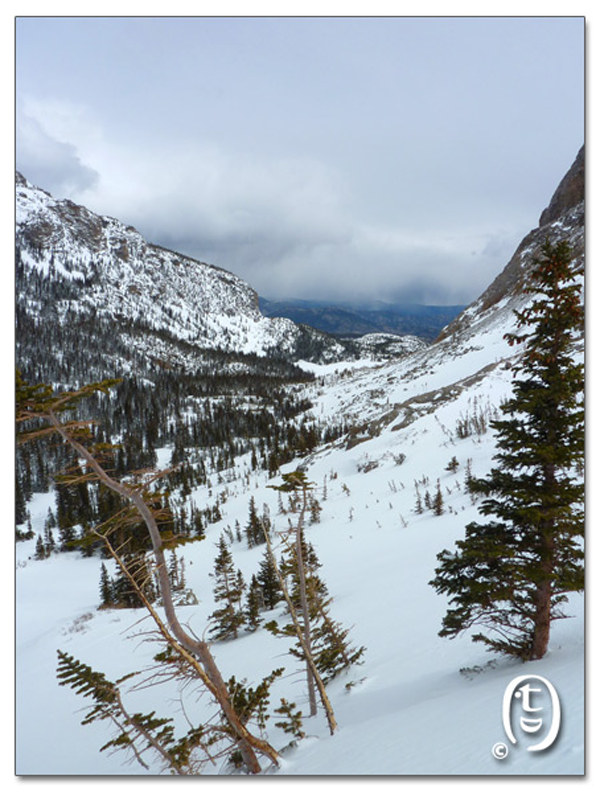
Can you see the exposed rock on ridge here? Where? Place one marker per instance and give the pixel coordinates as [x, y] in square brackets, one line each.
[569, 193]
[564, 218]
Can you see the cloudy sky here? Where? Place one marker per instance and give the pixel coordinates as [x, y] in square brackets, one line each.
[327, 158]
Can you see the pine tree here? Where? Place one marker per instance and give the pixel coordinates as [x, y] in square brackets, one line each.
[40, 549]
[419, 502]
[329, 642]
[293, 723]
[254, 605]
[427, 500]
[20, 502]
[453, 465]
[124, 594]
[295, 483]
[49, 542]
[254, 529]
[174, 572]
[438, 501]
[315, 510]
[269, 583]
[325, 638]
[136, 732]
[229, 590]
[106, 588]
[511, 575]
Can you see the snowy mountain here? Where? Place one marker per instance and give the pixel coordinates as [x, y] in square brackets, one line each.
[564, 218]
[418, 704]
[98, 284]
[115, 273]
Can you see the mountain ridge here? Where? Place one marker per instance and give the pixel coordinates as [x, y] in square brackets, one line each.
[350, 319]
[563, 218]
[74, 266]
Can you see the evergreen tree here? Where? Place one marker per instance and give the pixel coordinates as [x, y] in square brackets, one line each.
[512, 574]
[174, 572]
[329, 643]
[295, 483]
[135, 732]
[438, 501]
[254, 605]
[293, 723]
[106, 588]
[49, 542]
[228, 592]
[453, 465]
[254, 527]
[20, 502]
[197, 524]
[269, 583]
[40, 549]
[419, 503]
[124, 593]
[315, 510]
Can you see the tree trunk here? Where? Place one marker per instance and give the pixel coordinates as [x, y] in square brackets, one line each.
[246, 741]
[543, 592]
[312, 699]
[541, 629]
[309, 658]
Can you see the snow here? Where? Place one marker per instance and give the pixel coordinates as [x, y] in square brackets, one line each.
[136, 280]
[419, 706]
[408, 710]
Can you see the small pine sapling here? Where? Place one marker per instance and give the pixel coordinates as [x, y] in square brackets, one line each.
[293, 719]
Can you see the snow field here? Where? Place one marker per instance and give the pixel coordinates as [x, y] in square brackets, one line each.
[407, 710]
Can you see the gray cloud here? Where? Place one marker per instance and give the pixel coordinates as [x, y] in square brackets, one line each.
[50, 163]
[396, 158]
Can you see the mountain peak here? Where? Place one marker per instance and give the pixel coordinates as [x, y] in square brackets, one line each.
[569, 193]
[563, 218]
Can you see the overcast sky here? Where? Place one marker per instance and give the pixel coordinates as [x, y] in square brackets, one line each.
[327, 158]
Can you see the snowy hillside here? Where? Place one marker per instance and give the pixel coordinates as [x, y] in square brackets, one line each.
[418, 704]
[119, 274]
[408, 709]
[76, 268]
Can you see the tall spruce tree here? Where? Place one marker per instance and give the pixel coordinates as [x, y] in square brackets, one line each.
[511, 575]
[106, 588]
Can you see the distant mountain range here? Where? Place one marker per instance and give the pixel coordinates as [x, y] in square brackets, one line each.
[353, 319]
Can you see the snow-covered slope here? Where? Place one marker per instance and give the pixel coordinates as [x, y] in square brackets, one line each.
[116, 273]
[419, 704]
[91, 281]
[408, 710]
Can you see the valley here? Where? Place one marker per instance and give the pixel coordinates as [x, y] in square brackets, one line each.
[386, 428]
